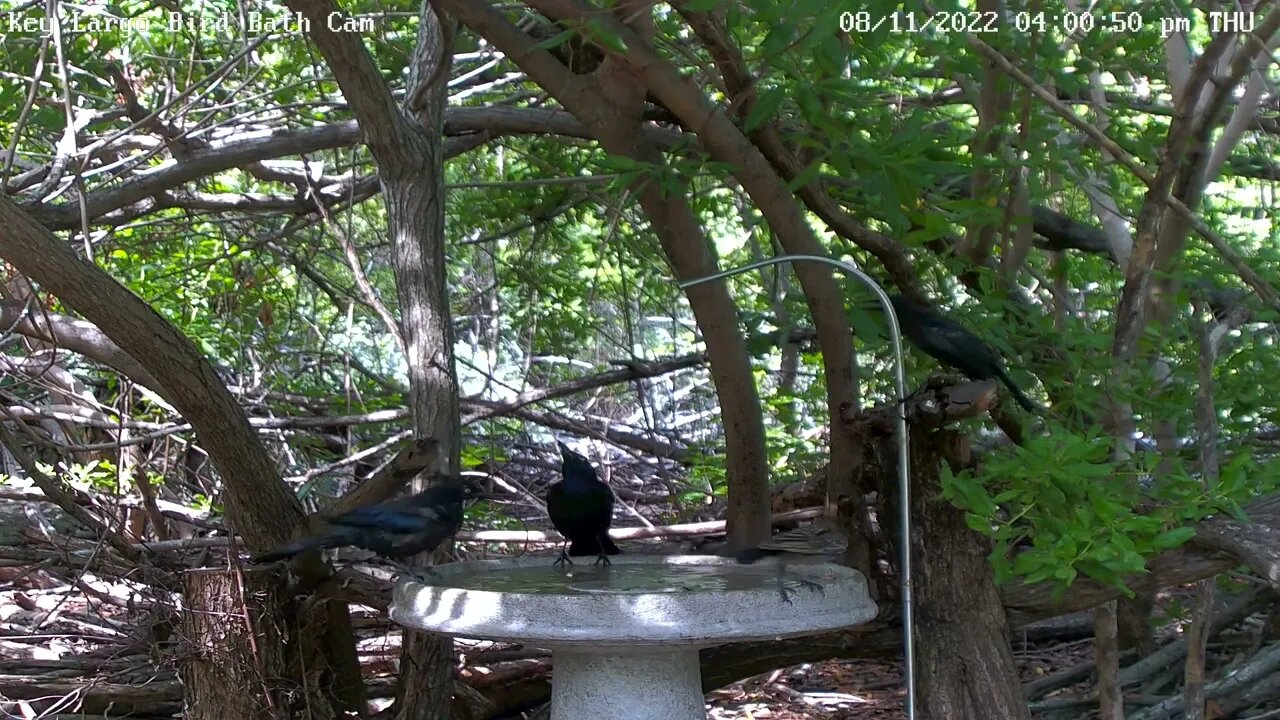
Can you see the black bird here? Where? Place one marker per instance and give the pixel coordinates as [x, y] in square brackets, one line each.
[581, 509]
[819, 542]
[948, 342]
[394, 529]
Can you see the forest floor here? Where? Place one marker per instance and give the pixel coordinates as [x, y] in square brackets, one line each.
[855, 689]
[821, 691]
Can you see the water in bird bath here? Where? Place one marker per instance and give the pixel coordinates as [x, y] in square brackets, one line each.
[631, 578]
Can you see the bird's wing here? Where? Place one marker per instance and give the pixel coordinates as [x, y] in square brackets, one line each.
[809, 540]
[959, 339]
[557, 509]
[555, 497]
[390, 518]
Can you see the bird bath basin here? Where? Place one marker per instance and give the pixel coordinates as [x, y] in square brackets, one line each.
[625, 638]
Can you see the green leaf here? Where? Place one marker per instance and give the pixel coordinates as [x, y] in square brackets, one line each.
[805, 177]
[977, 523]
[556, 40]
[1173, 538]
[867, 324]
[607, 37]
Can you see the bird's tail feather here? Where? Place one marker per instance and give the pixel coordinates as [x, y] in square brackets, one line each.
[297, 547]
[750, 555]
[609, 547]
[1018, 395]
[590, 546]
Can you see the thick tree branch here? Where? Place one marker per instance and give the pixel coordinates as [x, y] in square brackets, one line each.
[77, 336]
[261, 509]
[462, 123]
[721, 137]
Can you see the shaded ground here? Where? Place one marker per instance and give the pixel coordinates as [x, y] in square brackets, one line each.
[822, 691]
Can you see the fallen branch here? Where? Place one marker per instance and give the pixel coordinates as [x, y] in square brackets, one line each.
[529, 537]
[159, 697]
[1241, 679]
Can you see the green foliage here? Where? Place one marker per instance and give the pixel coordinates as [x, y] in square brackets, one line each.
[705, 475]
[204, 503]
[97, 475]
[601, 33]
[1059, 507]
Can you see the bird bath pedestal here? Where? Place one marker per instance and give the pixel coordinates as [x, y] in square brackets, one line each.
[625, 638]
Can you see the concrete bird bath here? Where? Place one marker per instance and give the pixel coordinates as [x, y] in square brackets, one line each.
[625, 638]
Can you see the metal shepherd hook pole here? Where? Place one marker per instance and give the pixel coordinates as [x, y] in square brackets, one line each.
[904, 490]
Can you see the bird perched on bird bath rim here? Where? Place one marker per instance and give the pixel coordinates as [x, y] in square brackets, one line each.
[822, 541]
[394, 529]
[581, 509]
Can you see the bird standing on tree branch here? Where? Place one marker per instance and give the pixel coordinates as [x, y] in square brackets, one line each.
[948, 342]
[394, 529]
[581, 509]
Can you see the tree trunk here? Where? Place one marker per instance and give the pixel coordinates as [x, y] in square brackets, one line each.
[764, 169]
[1106, 653]
[964, 661]
[409, 155]
[747, 513]
[965, 666]
[691, 255]
[415, 212]
[1134, 614]
[260, 507]
[233, 661]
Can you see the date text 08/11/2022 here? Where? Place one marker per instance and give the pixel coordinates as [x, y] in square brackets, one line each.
[1069, 23]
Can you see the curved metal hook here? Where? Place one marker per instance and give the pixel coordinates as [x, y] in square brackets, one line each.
[904, 490]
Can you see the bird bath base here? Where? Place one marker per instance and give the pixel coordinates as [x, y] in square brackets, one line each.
[625, 638]
[654, 683]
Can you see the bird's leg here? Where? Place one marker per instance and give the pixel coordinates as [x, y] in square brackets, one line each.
[782, 584]
[802, 582]
[811, 585]
[602, 557]
[564, 557]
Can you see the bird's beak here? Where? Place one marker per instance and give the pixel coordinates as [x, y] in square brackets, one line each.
[564, 449]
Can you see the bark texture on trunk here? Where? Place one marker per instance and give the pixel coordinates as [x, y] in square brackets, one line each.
[407, 145]
[241, 637]
[964, 660]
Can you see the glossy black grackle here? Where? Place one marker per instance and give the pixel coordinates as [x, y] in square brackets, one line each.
[820, 542]
[581, 509]
[950, 343]
[394, 529]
